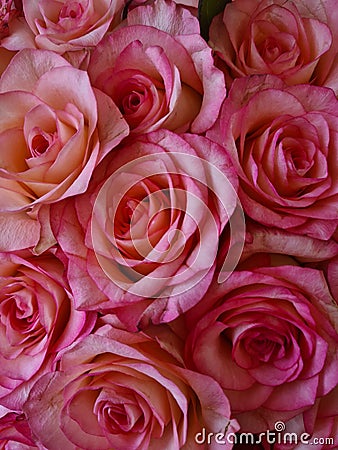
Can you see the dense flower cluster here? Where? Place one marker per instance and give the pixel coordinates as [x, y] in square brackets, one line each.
[168, 225]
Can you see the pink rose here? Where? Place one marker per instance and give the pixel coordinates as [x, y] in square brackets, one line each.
[68, 25]
[329, 267]
[159, 71]
[144, 238]
[292, 39]
[267, 336]
[322, 422]
[278, 247]
[15, 433]
[318, 424]
[37, 320]
[54, 130]
[123, 391]
[262, 239]
[286, 154]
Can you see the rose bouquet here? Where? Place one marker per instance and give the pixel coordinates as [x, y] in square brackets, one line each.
[168, 224]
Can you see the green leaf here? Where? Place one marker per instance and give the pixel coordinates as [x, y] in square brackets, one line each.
[207, 10]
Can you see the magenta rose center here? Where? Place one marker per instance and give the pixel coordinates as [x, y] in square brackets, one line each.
[19, 314]
[122, 417]
[40, 142]
[263, 345]
[139, 96]
[144, 215]
[71, 10]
